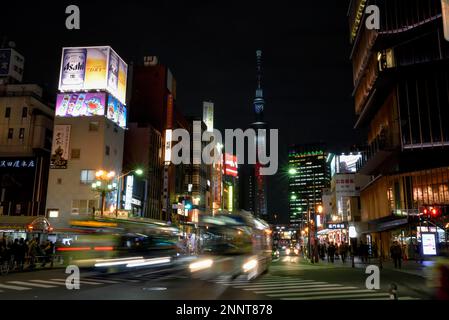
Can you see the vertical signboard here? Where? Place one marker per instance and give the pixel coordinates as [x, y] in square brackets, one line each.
[129, 192]
[168, 137]
[345, 185]
[230, 165]
[429, 244]
[445, 14]
[60, 147]
[208, 115]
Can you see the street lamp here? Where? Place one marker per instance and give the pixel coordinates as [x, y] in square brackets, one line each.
[292, 171]
[103, 186]
[137, 171]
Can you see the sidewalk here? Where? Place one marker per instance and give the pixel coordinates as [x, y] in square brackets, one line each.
[411, 266]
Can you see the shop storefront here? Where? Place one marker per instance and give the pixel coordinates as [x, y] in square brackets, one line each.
[26, 227]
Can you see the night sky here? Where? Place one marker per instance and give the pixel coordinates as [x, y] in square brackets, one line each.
[210, 48]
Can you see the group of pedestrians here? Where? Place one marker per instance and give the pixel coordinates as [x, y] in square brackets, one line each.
[333, 251]
[20, 252]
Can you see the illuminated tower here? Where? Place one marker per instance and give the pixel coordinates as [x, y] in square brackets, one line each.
[260, 182]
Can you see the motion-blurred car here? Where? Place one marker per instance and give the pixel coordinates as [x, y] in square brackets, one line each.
[291, 251]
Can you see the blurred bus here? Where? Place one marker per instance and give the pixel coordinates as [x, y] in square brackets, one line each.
[111, 244]
[232, 245]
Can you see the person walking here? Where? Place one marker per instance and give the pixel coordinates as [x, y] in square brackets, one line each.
[331, 252]
[343, 251]
[21, 252]
[396, 254]
[32, 252]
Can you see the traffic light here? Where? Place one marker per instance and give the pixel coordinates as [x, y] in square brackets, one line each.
[187, 205]
[432, 211]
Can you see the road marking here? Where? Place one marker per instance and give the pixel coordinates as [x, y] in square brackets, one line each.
[31, 284]
[281, 285]
[281, 292]
[336, 290]
[336, 295]
[101, 280]
[49, 282]
[81, 281]
[126, 280]
[5, 286]
[267, 282]
[307, 286]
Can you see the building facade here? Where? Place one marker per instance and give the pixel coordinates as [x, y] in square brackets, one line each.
[308, 175]
[400, 92]
[86, 176]
[26, 130]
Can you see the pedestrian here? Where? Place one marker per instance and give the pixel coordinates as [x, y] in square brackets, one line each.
[343, 251]
[331, 252]
[33, 249]
[396, 254]
[21, 252]
[48, 252]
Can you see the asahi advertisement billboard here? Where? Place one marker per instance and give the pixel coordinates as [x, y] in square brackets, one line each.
[93, 68]
[60, 147]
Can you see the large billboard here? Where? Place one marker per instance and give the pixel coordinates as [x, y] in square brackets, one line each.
[93, 68]
[60, 147]
[116, 111]
[80, 104]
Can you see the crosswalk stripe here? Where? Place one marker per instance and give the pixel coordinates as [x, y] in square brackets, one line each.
[336, 295]
[280, 285]
[401, 298]
[281, 292]
[31, 284]
[81, 281]
[126, 280]
[308, 286]
[49, 282]
[5, 286]
[257, 283]
[101, 280]
[336, 290]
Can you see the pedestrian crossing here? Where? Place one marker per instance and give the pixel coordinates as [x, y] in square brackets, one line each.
[90, 281]
[295, 288]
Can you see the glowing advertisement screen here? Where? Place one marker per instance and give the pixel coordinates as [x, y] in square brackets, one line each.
[429, 244]
[80, 104]
[230, 166]
[116, 111]
[93, 68]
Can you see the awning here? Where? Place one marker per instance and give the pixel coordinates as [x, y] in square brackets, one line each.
[24, 223]
[323, 232]
[384, 224]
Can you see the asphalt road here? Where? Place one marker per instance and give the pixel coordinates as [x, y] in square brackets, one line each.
[289, 278]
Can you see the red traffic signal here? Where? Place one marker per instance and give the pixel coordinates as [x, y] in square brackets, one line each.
[432, 211]
[435, 212]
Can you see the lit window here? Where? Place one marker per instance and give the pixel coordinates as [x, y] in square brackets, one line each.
[87, 176]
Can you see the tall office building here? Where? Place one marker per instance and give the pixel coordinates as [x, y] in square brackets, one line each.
[308, 175]
[400, 93]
